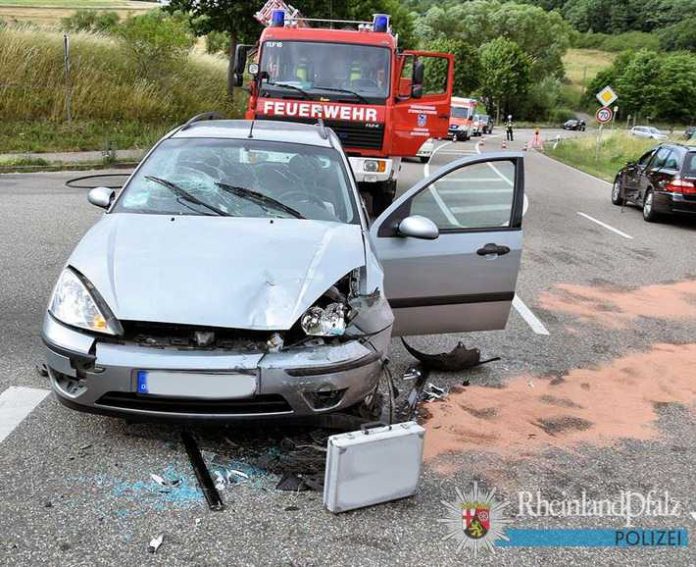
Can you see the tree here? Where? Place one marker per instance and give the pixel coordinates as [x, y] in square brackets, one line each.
[467, 66]
[679, 36]
[236, 18]
[233, 17]
[544, 36]
[505, 76]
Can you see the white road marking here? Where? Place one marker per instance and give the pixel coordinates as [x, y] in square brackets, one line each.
[576, 170]
[605, 225]
[433, 191]
[472, 191]
[470, 180]
[529, 317]
[525, 202]
[16, 403]
[481, 209]
[525, 312]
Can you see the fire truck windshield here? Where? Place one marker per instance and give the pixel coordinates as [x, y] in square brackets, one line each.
[334, 71]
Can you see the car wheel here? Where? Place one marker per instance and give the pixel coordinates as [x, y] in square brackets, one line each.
[616, 193]
[649, 214]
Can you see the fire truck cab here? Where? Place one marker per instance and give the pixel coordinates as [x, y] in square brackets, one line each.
[382, 102]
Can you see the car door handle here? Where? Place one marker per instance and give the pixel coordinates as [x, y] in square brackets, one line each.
[492, 248]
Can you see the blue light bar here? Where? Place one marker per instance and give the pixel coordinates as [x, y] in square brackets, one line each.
[278, 18]
[380, 22]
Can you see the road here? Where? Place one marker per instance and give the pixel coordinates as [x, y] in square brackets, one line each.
[591, 395]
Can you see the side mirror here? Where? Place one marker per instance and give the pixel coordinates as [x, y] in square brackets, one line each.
[240, 57]
[418, 72]
[101, 197]
[416, 91]
[417, 226]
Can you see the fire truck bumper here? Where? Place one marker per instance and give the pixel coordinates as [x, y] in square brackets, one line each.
[374, 170]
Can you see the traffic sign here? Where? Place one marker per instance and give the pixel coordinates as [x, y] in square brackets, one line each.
[606, 96]
[604, 115]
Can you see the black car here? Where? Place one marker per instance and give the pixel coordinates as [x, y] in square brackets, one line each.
[574, 124]
[662, 181]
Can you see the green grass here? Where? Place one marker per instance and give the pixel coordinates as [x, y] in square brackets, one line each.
[29, 136]
[616, 149]
[114, 98]
[584, 64]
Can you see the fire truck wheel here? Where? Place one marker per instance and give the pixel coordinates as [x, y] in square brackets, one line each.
[383, 196]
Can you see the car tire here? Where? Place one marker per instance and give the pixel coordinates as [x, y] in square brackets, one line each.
[616, 193]
[649, 214]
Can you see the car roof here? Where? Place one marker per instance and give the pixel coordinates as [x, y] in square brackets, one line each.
[266, 130]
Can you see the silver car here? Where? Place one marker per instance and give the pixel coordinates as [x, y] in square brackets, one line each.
[237, 275]
[648, 132]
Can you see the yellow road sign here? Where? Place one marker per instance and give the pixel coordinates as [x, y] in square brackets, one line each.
[606, 96]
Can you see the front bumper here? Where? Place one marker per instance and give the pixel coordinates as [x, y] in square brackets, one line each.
[674, 203]
[101, 377]
[363, 175]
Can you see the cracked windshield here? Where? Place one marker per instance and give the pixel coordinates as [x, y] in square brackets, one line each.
[242, 179]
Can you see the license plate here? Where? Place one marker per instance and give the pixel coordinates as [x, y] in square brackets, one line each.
[196, 384]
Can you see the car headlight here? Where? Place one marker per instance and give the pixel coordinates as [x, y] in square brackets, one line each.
[329, 321]
[453, 126]
[75, 302]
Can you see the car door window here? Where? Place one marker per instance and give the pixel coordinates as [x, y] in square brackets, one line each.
[660, 159]
[476, 197]
[673, 161]
[645, 158]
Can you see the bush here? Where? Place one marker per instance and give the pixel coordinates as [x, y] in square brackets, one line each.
[633, 40]
[560, 115]
[90, 21]
[217, 42]
[155, 40]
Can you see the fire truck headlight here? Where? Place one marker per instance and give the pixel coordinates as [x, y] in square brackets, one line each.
[375, 165]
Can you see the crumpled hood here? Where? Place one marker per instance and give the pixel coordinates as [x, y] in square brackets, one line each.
[246, 273]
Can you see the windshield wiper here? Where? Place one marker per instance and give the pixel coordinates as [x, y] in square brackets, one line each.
[347, 91]
[287, 86]
[185, 195]
[259, 198]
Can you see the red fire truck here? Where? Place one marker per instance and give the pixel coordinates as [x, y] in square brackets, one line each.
[381, 101]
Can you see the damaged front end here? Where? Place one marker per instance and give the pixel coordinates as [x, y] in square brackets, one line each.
[329, 360]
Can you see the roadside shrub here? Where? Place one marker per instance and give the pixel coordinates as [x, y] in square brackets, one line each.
[217, 42]
[560, 115]
[155, 40]
[633, 40]
[90, 21]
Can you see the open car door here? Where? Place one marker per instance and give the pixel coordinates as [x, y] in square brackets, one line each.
[422, 108]
[451, 246]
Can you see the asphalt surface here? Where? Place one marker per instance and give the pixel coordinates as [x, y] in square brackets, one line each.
[76, 489]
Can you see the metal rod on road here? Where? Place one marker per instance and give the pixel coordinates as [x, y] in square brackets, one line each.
[202, 474]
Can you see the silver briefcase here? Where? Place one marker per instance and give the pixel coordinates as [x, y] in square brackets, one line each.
[372, 465]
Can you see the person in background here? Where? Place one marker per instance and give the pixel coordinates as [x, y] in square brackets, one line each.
[508, 128]
[537, 141]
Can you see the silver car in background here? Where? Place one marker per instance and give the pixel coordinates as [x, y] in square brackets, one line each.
[237, 275]
[649, 132]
